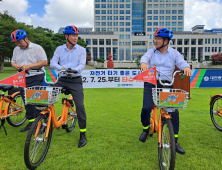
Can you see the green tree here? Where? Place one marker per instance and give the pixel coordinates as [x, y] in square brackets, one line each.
[40, 30]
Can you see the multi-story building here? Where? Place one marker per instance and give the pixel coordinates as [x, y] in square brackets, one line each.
[125, 28]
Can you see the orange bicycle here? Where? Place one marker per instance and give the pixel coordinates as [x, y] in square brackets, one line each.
[167, 100]
[216, 111]
[40, 134]
[13, 110]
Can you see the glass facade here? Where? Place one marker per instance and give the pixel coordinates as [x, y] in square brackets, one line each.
[138, 12]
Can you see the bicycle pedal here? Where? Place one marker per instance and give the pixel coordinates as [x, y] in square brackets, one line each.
[64, 126]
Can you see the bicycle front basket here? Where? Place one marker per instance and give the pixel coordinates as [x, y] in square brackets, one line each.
[170, 98]
[42, 95]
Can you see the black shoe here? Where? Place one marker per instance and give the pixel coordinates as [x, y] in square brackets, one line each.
[27, 127]
[82, 140]
[143, 136]
[179, 149]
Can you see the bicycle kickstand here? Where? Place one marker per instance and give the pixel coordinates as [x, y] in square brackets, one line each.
[2, 125]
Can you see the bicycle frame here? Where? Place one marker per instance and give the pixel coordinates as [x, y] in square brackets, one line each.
[57, 121]
[4, 113]
[157, 125]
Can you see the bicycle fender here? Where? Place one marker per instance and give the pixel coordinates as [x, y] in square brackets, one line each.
[13, 95]
[215, 96]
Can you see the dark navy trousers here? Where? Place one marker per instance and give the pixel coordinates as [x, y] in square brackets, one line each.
[37, 80]
[148, 106]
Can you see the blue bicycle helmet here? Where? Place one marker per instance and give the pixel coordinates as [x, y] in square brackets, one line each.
[17, 35]
[71, 30]
[163, 32]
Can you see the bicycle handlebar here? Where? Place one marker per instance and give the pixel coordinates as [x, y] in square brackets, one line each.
[169, 84]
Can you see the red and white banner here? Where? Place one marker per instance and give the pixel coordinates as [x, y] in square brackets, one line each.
[15, 80]
[147, 76]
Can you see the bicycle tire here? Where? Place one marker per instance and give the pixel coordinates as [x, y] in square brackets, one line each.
[214, 107]
[19, 118]
[167, 149]
[72, 118]
[37, 148]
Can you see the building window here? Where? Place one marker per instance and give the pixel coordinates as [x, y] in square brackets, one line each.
[212, 49]
[167, 11]
[155, 18]
[127, 18]
[174, 18]
[167, 17]
[127, 23]
[180, 24]
[161, 18]
[97, 1]
[215, 49]
[180, 29]
[208, 49]
[97, 6]
[103, 18]
[174, 6]
[205, 49]
[115, 18]
[127, 36]
[219, 40]
[168, 6]
[161, 23]
[174, 24]
[97, 12]
[127, 12]
[212, 41]
[180, 18]
[115, 12]
[149, 23]
[149, 18]
[109, 23]
[121, 54]
[121, 37]
[103, 29]
[95, 53]
[109, 11]
[127, 0]
[109, 6]
[101, 53]
[115, 6]
[180, 12]
[208, 40]
[161, 11]
[115, 23]
[103, 0]
[88, 42]
[219, 49]
[121, 18]
[127, 29]
[155, 5]
[121, 29]
[103, 23]
[161, 6]
[103, 5]
[115, 29]
[108, 50]
[149, 29]
[121, 12]
[121, 0]
[97, 29]
[121, 24]
[108, 42]
[149, 12]
[149, 0]
[127, 5]
[167, 23]
[97, 23]
[121, 5]
[155, 12]
[205, 41]
[109, 17]
[97, 18]
[174, 12]
[149, 6]
[115, 53]
[215, 40]
[155, 24]
[180, 5]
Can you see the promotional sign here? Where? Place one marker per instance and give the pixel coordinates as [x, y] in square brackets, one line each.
[148, 76]
[172, 99]
[36, 96]
[206, 78]
[111, 78]
[15, 80]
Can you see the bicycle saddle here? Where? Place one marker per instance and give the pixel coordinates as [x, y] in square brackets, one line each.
[65, 91]
[6, 87]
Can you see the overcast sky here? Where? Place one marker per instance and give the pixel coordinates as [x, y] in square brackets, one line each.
[54, 14]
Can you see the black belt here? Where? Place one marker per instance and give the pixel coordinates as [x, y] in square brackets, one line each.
[71, 77]
[165, 81]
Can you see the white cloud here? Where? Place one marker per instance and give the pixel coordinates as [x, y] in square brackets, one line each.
[60, 13]
[200, 12]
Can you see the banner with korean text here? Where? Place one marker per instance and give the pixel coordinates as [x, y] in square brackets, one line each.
[111, 78]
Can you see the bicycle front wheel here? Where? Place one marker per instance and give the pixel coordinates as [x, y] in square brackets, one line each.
[216, 112]
[18, 118]
[166, 149]
[72, 118]
[37, 147]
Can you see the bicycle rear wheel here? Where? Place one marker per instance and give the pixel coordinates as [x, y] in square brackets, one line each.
[166, 149]
[36, 148]
[72, 118]
[216, 112]
[18, 118]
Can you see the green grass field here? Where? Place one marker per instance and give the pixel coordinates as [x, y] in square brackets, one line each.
[113, 129]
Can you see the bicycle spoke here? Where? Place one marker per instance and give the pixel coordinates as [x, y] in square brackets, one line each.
[216, 112]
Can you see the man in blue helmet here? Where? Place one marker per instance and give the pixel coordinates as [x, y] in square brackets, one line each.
[71, 55]
[164, 59]
[25, 56]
